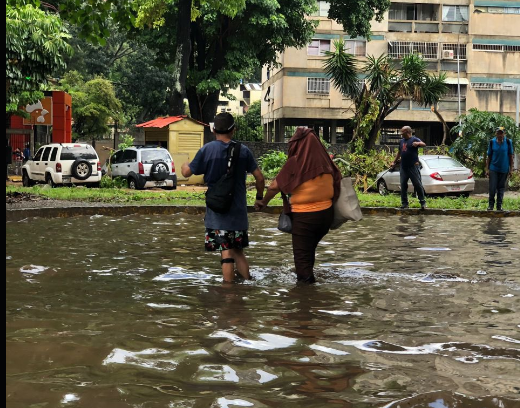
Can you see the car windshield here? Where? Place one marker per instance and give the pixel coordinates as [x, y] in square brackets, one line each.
[443, 163]
[78, 152]
[148, 156]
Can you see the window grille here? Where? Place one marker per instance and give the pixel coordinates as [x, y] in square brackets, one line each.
[318, 47]
[357, 48]
[459, 50]
[399, 49]
[485, 86]
[496, 48]
[318, 86]
[453, 91]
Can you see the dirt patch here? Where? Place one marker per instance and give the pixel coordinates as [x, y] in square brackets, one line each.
[15, 197]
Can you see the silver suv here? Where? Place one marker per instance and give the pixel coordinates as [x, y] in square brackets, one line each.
[144, 167]
[63, 163]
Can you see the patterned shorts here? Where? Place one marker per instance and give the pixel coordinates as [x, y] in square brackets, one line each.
[222, 240]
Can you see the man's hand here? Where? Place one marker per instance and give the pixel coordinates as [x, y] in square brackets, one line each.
[487, 173]
[185, 170]
[415, 144]
[259, 205]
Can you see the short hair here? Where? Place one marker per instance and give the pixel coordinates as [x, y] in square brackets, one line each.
[407, 129]
[224, 123]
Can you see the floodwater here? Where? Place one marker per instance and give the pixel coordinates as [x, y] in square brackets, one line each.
[409, 311]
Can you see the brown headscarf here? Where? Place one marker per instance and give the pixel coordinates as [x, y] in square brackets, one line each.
[308, 159]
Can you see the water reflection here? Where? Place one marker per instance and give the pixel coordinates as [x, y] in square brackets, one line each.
[404, 306]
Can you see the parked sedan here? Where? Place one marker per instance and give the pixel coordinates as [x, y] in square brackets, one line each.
[440, 175]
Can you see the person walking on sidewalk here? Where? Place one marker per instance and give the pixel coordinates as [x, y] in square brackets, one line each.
[499, 166]
[410, 167]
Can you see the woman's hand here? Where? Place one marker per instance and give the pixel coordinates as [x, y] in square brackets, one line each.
[259, 205]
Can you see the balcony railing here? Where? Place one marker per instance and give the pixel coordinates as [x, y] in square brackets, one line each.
[406, 26]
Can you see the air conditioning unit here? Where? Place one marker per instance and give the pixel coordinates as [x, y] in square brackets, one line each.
[447, 54]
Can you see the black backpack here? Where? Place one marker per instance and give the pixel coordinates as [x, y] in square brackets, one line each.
[219, 197]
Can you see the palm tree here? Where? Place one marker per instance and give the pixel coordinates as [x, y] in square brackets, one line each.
[386, 84]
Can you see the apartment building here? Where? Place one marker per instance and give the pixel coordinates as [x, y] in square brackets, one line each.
[475, 42]
[242, 98]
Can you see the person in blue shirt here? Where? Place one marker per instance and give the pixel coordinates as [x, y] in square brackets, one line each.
[499, 165]
[26, 153]
[227, 232]
[410, 167]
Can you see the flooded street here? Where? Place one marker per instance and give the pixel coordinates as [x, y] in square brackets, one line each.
[130, 312]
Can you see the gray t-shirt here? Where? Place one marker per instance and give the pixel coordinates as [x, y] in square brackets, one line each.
[211, 160]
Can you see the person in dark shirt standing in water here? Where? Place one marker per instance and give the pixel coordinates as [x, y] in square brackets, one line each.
[227, 233]
[410, 167]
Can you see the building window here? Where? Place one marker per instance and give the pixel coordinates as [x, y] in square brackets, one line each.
[399, 49]
[357, 48]
[318, 86]
[498, 10]
[318, 47]
[407, 11]
[455, 13]
[453, 91]
[323, 9]
[496, 48]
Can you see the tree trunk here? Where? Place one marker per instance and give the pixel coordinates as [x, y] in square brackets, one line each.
[445, 126]
[182, 56]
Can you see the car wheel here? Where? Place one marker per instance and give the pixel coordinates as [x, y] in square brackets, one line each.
[160, 171]
[26, 180]
[382, 188]
[132, 183]
[81, 169]
[48, 180]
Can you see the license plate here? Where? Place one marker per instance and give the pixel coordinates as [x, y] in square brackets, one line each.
[454, 188]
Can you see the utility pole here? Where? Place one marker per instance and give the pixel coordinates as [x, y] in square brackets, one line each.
[458, 82]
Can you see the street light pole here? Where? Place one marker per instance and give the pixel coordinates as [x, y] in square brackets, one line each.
[458, 81]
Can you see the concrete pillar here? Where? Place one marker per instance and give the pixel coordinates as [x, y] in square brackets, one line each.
[333, 128]
[326, 133]
[279, 131]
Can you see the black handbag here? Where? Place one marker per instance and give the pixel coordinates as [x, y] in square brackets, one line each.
[285, 219]
[285, 223]
[219, 197]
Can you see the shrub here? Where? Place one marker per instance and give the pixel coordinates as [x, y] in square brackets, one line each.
[108, 182]
[272, 162]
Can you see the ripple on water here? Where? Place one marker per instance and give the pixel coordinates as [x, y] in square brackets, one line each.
[460, 351]
[269, 341]
[33, 269]
[445, 399]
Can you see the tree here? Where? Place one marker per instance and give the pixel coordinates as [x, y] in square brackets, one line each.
[95, 105]
[214, 51]
[249, 126]
[387, 84]
[140, 84]
[478, 128]
[36, 46]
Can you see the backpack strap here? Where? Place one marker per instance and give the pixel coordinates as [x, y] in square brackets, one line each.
[490, 149]
[233, 154]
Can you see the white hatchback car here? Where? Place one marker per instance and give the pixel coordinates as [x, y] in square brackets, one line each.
[63, 163]
[143, 167]
[439, 175]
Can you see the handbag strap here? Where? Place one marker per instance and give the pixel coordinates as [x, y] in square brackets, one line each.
[233, 154]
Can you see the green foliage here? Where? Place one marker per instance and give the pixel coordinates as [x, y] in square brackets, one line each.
[127, 141]
[272, 162]
[36, 44]
[356, 16]
[95, 105]
[363, 168]
[249, 126]
[386, 85]
[478, 128]
[116, 182]
[514, 181]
